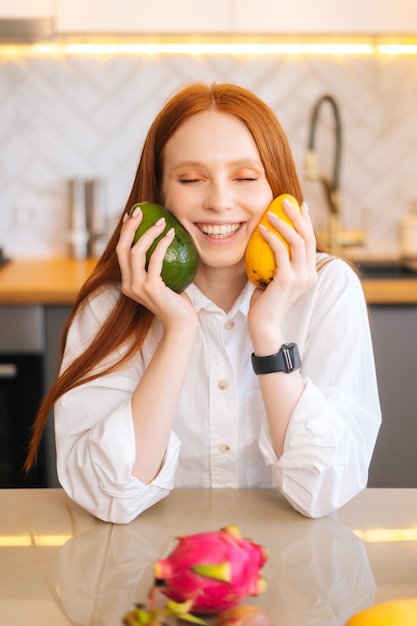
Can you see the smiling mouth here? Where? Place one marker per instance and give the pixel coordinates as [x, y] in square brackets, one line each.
[219, 231]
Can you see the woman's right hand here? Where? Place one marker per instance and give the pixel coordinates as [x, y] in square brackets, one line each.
[154, 412]
[146, 286]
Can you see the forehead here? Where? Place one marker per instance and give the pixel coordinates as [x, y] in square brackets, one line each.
[211, 133]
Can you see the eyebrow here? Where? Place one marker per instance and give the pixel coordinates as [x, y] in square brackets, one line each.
[238, 163]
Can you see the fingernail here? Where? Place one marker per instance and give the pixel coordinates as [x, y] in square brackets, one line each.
[287, 204]
[305, 207]
[136, 211]
[160, 221]
[262, 227]
[169, 233]
[273, 215]
[125, 218]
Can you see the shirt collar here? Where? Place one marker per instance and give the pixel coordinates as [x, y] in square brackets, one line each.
[200, 301]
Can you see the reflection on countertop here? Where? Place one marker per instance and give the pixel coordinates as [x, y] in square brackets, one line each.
[61, 566]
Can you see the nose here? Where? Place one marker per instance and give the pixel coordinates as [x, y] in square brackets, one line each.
[218, 196]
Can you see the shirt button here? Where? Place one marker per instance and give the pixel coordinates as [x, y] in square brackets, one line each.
[229, 325]
[222, 384]
[224, 447]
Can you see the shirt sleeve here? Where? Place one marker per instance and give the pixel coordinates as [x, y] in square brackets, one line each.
[95, 436]
[332, 432]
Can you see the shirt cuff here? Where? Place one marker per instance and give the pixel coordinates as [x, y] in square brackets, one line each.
[113, 454]
[313, 434]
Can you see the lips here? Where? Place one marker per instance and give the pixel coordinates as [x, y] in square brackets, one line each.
[219, 231]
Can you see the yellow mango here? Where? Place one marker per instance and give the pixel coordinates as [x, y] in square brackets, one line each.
[259, 258]
[402, 612]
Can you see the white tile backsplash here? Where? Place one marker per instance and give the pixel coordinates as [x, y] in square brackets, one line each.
[74, 116]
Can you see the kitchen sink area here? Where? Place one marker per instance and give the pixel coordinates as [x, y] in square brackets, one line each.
[387, 270]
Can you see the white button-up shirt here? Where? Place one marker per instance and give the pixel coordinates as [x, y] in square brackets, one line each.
[220, 436]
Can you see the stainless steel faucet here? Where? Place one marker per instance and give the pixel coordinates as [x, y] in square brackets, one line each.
[312, 172]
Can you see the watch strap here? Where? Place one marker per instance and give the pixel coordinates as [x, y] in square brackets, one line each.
[286, 360]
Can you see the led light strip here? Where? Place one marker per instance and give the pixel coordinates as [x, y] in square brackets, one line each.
[188, 48]
[208, 48]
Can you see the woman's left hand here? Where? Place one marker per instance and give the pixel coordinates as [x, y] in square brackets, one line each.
[294, 275]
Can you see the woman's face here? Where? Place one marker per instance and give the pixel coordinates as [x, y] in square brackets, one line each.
[215, 184]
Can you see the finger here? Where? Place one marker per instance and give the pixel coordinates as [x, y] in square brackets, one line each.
[277, 246]
[304, 227]
[309, 235]
[132, 266]
[300, 218]
[129, 227]
[124, 244]
[287, 231]
[158, 255]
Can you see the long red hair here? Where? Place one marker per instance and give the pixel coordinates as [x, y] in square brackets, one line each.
[129, 322]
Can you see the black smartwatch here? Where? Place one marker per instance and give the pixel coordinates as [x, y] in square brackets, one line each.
[286, 360]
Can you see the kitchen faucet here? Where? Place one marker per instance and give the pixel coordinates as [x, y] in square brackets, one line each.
[337, 237]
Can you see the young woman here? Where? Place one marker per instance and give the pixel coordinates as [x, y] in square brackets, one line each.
[158, 389]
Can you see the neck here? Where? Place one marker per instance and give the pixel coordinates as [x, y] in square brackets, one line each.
[221, 285]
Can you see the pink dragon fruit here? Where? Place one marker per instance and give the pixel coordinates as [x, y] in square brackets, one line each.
[213, 569]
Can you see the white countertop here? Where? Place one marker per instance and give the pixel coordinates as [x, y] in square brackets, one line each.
[60, 566]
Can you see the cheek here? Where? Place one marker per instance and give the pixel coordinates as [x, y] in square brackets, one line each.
[262, 207]
[176, 203]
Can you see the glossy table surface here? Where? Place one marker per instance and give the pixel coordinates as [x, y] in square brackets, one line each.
[60, 566]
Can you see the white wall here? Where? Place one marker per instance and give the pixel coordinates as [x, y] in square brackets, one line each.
[65, 117]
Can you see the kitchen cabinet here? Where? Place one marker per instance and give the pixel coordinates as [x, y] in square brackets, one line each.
[142, 16]
[219, 16]
[326, 16]
[235, 17]
[30, 338]
[20, 9]
[22, 348]
[394, 330]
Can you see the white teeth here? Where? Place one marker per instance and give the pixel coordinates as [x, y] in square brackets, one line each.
[219, 231]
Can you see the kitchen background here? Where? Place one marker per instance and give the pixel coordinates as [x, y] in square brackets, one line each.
[64, 117]
[68, 115]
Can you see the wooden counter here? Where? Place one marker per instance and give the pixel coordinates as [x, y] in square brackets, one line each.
[394, 291]
[43, 281]
[57, 281]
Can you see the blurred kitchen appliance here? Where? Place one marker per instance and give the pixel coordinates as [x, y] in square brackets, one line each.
[77, 235]
[87, 217]
[96, 216]
[21, 391]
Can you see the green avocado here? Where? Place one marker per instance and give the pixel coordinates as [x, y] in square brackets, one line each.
[180, 262]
